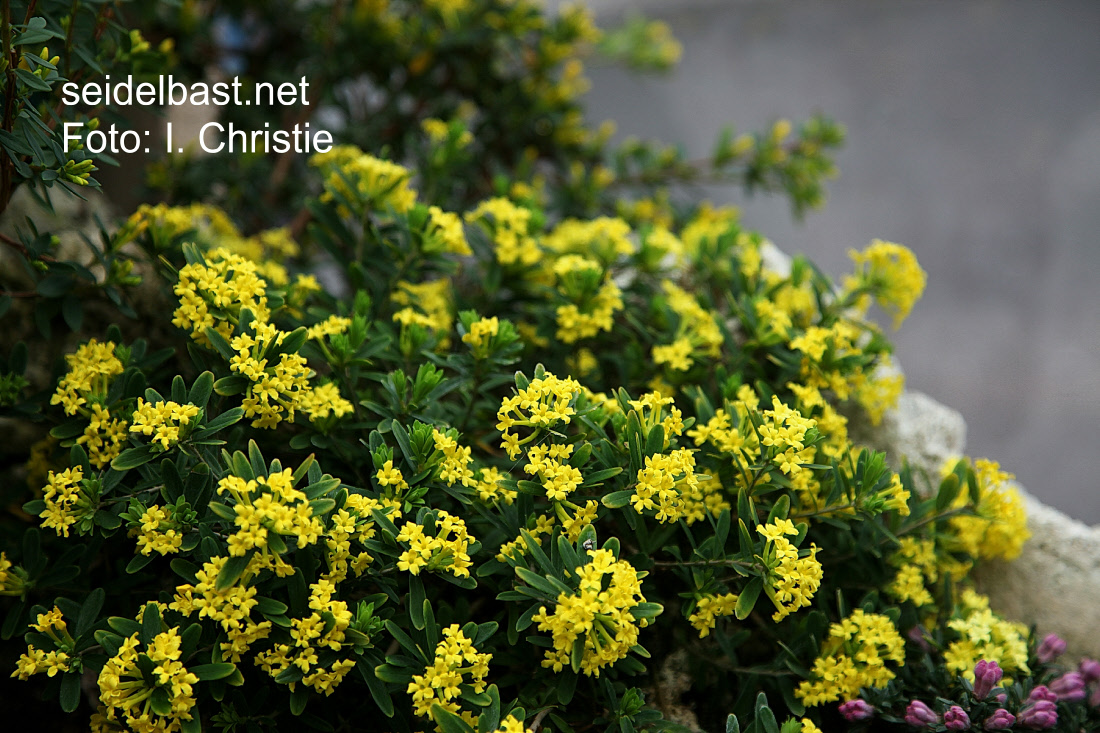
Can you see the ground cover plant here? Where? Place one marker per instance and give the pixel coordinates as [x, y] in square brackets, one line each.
[476, 421]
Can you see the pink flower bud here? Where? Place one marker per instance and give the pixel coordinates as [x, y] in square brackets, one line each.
[1042, 692]
[986, 677]
[1000, 720]
[920, 715]
[1039, 716]
[857, 709]
[1069, 687]
[956, 718]
[916, 635]
[1052, 647]
[1090, 670]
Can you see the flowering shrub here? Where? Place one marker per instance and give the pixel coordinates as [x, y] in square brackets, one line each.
[493, 465]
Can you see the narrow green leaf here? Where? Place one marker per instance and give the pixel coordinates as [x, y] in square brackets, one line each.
[747, 600]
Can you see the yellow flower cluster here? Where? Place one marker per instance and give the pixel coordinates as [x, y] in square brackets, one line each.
[784, 430]
[104, 437]
[443, 552]
[277, 390]
[697, 334]
[162, 420]
[605, 238]
[352, 521]
[599, 611]
[231, 608]
[375, 183]
[489, 488]
[663, 483]
[126, 692]
[65, 500]
[854, 656]
[269, 505]
[985, 635]
[999, 527]
[732, 434]
[455, 466]
[917, 568]
[324, 629]
[12, 581]
[891, 273]
[331, 326]
[544, 402]
[544, 525]
[512, 725]
[158, 532]
[213, 293]
[427, 304]
[456, 662]
[575, 324]
[91, 369]
[480, 334]
[444, 233]
[550, 464]
[794, 579]
[709, 608]
[37, 661]
[825, 353]
[509, 226]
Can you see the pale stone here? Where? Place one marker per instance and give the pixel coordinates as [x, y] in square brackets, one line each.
[922, 430]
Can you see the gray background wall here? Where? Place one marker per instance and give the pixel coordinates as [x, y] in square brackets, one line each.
[973, 138]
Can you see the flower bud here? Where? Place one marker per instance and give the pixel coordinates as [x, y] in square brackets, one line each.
[920, 715]
[916, 635]
[1090, 670]
[857, 709]
[986, 677]
[1069, 687]
[1052, 647]
[1000, 720]
[1039, 716]
[956, 718]
[1042, 692]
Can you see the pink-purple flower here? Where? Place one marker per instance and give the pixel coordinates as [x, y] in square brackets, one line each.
[1042, 692]
[855, 710]
[1000, 720]
[1039, 716]
[986, 677]
[1052, 647]
[920, 715]
[956, 718]
[1090, 670]
[1069, 687]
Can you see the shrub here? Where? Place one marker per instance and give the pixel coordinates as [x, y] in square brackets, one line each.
[489, 439]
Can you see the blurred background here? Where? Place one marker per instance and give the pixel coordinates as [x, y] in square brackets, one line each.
[974, 139]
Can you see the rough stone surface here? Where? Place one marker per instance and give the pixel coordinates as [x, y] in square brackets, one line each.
[920, 429]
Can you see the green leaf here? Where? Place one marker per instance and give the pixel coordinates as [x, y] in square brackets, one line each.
[597, 476]
[137, 563]
[220, 344]
[732, 726]
[150, 623]
[201, 389]
[416, 602]
[230, 572]
[377, 689]
[781, 509]
[132, 458]
[747, 600]
[72, 311]
[655, 441]
[70, 692]
[448, 722]
[617, 499]
[949, 489]
[217, 671]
